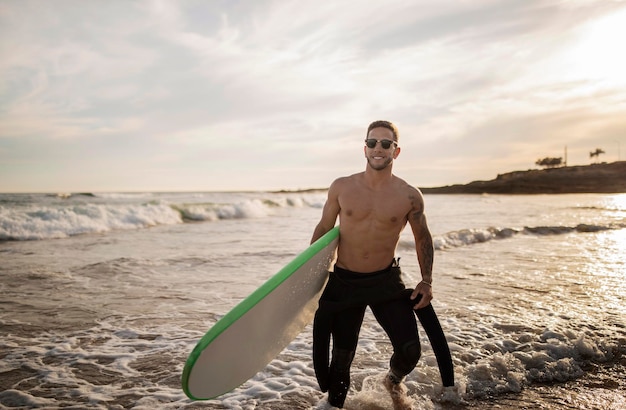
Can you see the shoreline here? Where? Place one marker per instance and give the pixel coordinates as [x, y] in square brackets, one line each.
[603, 178]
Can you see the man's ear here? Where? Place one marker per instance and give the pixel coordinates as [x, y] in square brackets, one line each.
[396, 152]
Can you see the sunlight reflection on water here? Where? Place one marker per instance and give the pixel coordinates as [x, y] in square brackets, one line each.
[608, 270]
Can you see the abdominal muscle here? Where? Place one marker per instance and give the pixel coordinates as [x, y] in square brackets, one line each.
[366, 248]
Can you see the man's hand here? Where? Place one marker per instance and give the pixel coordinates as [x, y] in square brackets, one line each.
[424, 290]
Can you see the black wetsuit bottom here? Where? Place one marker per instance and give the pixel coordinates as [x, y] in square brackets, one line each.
[340, 315]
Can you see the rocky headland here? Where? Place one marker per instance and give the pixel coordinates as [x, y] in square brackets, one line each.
[595, 178]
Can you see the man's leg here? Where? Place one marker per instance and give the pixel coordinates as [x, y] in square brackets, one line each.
[345, 331]
[397, 319]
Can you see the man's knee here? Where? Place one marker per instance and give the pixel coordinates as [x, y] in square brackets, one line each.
[406, 357]
[342, 359]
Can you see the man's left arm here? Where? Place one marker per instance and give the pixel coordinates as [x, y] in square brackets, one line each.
[425, 255]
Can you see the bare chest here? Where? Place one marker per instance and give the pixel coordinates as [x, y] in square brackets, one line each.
[380, 207]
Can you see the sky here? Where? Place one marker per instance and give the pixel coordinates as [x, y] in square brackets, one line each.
[228, 95]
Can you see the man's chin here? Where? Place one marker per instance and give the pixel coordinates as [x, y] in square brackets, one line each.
[378, 166]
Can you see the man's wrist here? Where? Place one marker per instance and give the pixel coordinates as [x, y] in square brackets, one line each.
[427, 283]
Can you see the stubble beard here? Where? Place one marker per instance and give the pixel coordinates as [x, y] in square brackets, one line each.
[379, 167]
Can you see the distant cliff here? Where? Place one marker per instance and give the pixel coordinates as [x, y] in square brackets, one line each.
[596, 178]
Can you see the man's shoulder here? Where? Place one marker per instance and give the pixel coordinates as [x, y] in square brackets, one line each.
[347, 180]
[412, 194]
[343, 185]
[401, 184]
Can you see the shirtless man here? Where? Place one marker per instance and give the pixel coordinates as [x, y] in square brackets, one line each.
[373, 207]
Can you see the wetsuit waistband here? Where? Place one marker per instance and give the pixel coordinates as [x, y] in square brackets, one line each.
[395, 263]
[366, 279]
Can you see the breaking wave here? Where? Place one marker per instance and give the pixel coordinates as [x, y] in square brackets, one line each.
[466, 237]
[54, 221]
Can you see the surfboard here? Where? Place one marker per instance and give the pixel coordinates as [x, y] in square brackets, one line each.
[255, 331]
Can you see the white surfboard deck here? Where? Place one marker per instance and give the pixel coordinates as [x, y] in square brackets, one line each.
[253, 333]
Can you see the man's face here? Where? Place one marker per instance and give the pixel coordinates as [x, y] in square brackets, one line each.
[378, 157]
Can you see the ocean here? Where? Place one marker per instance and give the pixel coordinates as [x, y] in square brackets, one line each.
[105, 295]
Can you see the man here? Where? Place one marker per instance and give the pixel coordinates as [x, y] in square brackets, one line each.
[373, 208]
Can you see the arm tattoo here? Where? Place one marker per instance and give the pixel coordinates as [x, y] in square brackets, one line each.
[428, 252]
[424, 245]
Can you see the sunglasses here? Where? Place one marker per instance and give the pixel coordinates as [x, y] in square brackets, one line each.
[385, 144]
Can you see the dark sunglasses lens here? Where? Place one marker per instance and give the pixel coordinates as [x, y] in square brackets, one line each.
[371, 143]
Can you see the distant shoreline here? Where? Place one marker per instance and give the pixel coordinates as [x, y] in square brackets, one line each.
[606, 178]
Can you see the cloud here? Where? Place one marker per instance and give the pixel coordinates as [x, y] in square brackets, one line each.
[278, 94]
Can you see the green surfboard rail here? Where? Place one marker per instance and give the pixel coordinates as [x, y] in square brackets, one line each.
[252, 300]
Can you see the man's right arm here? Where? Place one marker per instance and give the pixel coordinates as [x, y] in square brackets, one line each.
[329, 213]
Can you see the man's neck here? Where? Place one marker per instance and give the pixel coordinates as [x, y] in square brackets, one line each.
[376, 178]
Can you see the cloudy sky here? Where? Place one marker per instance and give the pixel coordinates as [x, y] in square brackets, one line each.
[118, 95]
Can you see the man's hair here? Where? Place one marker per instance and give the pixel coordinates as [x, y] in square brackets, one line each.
[385, 124]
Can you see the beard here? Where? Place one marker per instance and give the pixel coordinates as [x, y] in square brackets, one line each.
[379, 166]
